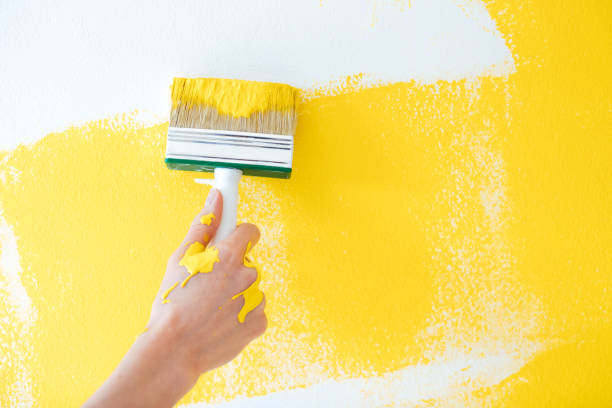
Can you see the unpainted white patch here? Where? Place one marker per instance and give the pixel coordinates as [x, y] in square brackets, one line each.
[94, 69]
[21, 314]
[447, 382]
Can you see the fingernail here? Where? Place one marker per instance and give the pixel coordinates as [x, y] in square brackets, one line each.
[213, 194]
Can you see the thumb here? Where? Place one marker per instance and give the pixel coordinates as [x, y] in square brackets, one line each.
[205, 224]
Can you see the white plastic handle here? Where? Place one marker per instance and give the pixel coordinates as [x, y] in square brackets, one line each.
[226, 181]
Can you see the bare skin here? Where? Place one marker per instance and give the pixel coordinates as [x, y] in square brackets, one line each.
[197, 331]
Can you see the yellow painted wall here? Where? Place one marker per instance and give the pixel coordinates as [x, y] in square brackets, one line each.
[421, 221]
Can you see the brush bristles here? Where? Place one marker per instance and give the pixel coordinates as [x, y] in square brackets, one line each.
[234, 104]
[207, 117]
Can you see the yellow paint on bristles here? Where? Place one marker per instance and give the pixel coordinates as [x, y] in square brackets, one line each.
[234, 97]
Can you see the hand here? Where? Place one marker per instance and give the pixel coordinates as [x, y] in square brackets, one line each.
[202, 310]
[194, 324]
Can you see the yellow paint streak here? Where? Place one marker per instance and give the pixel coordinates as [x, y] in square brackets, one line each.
[234, 97]
[167, 292]
[207, 219]
[198, 259]
[421, 221]
[252, 295]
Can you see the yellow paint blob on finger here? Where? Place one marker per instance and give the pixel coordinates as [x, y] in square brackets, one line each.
[165, 301]
[194, 248]
[207, 219]
[252, 295]
[198, 259]
[247, 261]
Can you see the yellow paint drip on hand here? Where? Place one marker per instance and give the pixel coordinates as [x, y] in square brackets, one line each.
[207, 219]
[234, 97]
[167, 292]
[252, 295]
[198, 259]
[194, 248]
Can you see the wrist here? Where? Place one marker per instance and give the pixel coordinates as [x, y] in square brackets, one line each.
[153, 373]
[164, 360]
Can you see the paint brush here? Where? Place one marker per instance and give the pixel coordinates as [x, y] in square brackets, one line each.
[231, 127]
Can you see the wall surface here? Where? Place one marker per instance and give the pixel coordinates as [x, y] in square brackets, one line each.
[444, 240]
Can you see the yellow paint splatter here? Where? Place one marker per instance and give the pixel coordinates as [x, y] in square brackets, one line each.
[193, 249]
[252, 295]
[198, 259]
[207, 219]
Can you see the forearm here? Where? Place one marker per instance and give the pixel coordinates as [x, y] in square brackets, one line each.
[150, 375]
[196, 324]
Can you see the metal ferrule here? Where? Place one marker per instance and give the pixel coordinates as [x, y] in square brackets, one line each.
[254, 153]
